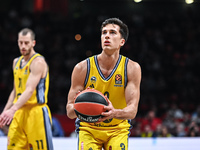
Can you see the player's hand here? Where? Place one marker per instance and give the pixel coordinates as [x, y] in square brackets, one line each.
[79, 91]
[109, 113]
[6, 117]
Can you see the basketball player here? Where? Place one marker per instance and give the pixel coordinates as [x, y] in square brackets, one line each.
[119, 79]
[27, 109]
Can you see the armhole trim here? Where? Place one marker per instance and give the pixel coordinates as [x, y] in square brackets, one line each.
[125, 72]
[88, 71]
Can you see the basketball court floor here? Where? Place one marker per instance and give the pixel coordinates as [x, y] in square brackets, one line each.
[134, 143]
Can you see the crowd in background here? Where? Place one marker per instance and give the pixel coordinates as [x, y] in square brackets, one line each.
[167, 46]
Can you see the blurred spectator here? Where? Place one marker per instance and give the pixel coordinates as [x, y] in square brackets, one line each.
[57, 129]
[180, 130]
[165, 132]
[4, 131]
[158, 131]
[136, 130]
[151, 120]
[196, 116]
[147, 131]
[193, 130]
[73, 134]
[170, 122]
[187, 119]
[176, 112]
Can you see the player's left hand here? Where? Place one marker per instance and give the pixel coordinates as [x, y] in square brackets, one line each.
[109, 113]
[6, 117]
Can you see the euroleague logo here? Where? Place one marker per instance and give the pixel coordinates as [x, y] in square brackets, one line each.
[26, 70]
[118, 79]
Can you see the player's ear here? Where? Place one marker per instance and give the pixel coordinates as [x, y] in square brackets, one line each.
[34, 42]
[122, 42]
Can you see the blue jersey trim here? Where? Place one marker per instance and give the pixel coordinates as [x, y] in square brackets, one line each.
[47, 125]
[27, 61]
[113, 71]
[77, 124]
[129, 121]
[88, 71]
[125, 72]
[40, 91]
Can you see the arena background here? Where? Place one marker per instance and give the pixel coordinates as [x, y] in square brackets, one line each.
[164, 39]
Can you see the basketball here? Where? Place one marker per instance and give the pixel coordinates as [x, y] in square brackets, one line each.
[89, 104]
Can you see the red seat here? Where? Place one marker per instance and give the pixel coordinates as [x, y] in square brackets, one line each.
[67, 124]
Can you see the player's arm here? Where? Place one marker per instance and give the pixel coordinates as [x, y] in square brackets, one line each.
[77, 84]
[37, 68]
[132, 91]
[132, 95]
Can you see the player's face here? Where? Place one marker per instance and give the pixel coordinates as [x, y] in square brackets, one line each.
[25, 44]
[111, 38]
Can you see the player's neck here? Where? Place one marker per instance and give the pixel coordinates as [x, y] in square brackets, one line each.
[27, 57]
[107, 63]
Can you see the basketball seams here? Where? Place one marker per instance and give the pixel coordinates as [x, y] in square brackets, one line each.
[89, 108]
[87, 115]
[90, 103]
[82, 97]
[92, 90]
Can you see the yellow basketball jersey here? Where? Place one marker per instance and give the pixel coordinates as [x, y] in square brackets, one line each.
[112, 86]
[21, 74]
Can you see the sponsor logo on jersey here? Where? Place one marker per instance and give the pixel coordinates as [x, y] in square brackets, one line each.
[93, 79]
[82, 146]
[92, 86]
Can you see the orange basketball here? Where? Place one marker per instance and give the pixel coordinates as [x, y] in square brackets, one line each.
[89, 104]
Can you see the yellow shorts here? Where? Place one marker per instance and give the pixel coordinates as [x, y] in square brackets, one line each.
[30, 129]
[108, 138]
